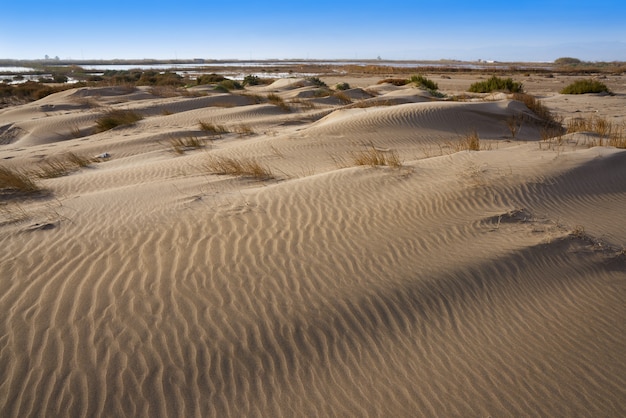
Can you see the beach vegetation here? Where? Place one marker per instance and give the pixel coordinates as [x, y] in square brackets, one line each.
[317, 82]
[61, 166]
[496, 83]
[212, 128]
[180, 145]
[586, 86]
[423, 82]
[395, 81]
[342, 86]
[15, 181]
[242, 167]
[210, 79]
[276, 100]
[374, 156]
[228, 85]
[116, 117]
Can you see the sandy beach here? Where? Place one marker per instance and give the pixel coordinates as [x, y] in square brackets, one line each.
[158, 280]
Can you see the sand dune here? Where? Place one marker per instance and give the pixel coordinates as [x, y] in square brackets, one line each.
[462, 283]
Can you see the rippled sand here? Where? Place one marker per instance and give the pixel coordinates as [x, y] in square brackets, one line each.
[462, 283]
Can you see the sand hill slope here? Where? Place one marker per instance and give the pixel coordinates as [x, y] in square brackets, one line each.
[461, 283]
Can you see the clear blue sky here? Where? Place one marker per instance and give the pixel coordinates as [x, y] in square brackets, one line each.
[436, 29]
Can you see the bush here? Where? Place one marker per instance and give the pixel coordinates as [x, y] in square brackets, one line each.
[316, 81]
[496, 84]
[230, 85]
[210, 79]
[117, 117]
[585, 86]
[251, 80]
[342, 86]
[422, 81]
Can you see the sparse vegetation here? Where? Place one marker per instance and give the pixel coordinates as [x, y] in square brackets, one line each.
[14, 181]
[586, 86]
[377, 157]
[424, 82]
[116, 117]
[276, 100]
[342, 86]
[470, 142]
[180, 145]
[244, 129]
[395, 81]
[316, 81]
[244, 167]
[212, 129]
[60, 166]
[496, 84]
[608, 133]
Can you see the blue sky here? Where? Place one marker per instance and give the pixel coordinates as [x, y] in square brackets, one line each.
[405, 30]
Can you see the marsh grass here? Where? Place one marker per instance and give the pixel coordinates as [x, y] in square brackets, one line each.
[116, 117]
[242, 167]
[376, 157]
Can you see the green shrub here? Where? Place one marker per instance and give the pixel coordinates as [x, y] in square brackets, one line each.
[585, 86]
[230, 84]
[316, 81]
[251, 80]
[210, 79]
[342, 86]
[422, 81]
[496, 84]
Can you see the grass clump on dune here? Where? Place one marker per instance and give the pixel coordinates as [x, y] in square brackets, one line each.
[586, 86]
[212, 128]
[243, 167]
[180, 145]
[376, 157]
[117, 117]
[276, 100]
[13, 181]
[57, 167]
[497, 84]
[424, 82]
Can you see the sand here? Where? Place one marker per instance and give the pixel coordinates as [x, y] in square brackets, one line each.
[462, 283]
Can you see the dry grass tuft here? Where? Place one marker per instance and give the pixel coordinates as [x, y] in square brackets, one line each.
[244, 167]
[116, 117]
[13, 181]
[57, 167]
[180, 145]
[276, 100]
[376, 157]
[609, 134]
[470, 142]
[212, 128]
[244, 129]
